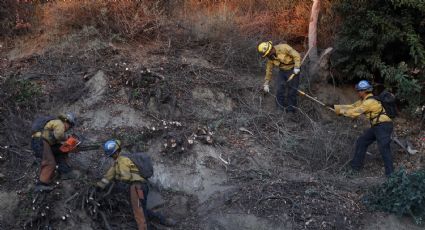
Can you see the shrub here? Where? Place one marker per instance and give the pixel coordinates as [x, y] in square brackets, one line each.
[401, 194]
[16, 17]
[383, 41]
[127, 19]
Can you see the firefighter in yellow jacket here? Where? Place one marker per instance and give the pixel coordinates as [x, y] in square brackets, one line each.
[380, 130]
[126, 172]
[47, 135]
[288, 61]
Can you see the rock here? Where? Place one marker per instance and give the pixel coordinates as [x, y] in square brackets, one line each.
[8, 202]
[323, 65]
[154, 199]
[97, 86]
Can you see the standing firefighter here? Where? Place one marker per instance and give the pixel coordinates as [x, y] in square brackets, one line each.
[133, 171]
[288, 61]
[48, 133]
[381, 126]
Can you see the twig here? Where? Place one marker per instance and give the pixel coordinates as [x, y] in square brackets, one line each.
[109, 190]
[72, 197]
[20, 178]
[105, 220]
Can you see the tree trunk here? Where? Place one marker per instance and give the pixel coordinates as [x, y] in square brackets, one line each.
[312, 31]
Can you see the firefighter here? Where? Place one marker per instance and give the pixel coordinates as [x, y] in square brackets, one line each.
[381, 126]
[47, 135]
[127, 174]
[288, 60]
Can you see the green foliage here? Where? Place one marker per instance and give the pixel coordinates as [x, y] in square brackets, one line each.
[383, 41]
[401, 194]
[23, 92]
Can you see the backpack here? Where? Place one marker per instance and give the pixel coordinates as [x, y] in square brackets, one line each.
[143, 163]
[387, 100]
[39, 123]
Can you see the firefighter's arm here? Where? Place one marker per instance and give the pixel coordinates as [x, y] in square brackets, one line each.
[353, 110]
[296, 56]
[59, 131]
[107, 178]
[269, 69]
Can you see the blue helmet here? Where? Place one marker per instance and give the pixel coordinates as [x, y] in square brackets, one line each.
[364, 85]
[112, 146]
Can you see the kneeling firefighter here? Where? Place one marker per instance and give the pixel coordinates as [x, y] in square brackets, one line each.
[132, 171]
[48, 133]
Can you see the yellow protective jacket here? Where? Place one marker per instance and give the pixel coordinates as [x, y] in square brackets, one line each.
[53, 133]
[286, 59]
[123, 170]
[370, 107]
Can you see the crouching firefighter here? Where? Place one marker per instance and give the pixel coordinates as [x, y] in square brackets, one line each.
[381, 126]
[131, 172]
[288, 60]
[48, 133]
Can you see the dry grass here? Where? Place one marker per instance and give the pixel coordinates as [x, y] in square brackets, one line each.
[127, 19]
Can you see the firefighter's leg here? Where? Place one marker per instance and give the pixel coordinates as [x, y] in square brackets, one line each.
[137, 197]
[48, 164]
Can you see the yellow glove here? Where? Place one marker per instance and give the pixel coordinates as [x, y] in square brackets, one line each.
[337, 110]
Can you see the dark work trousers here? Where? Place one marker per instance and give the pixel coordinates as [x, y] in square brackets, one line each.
[382, 134]
[138, 199]
[291, 87]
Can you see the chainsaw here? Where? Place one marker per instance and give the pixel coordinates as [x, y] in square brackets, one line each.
[73, 144]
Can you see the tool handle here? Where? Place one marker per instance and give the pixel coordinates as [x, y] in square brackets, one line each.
[290, 77]
[314, 99]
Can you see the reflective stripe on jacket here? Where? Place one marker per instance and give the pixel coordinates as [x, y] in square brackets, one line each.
[123, 170]
[286, 59]
[53, 133]
[370, 107]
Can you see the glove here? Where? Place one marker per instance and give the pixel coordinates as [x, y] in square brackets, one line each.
[102, 184]
[297, 70]
[266, 88]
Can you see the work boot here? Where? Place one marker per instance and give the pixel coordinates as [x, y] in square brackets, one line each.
[169, 222]
[40, 187]
[73, 174]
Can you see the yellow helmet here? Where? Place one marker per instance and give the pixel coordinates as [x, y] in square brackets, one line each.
[264, 48]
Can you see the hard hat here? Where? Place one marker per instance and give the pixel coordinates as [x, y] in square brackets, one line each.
[364, 85]
[69, 117]
[264, 48]
[110, 147]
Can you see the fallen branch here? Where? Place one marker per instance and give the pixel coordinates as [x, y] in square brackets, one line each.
[105, 220]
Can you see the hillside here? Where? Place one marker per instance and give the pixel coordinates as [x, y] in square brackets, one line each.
[223, 156]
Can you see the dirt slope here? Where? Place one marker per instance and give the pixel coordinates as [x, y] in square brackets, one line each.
[223, 157]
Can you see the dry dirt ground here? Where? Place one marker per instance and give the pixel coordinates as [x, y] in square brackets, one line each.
[223, 157]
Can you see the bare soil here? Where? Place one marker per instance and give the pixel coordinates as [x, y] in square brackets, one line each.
[224, 158]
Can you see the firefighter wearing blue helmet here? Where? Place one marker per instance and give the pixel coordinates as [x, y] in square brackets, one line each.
[126, 172]
[381, 126]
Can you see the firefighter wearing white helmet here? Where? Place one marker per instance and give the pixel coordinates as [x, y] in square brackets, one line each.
[288, 60]
[48, 134]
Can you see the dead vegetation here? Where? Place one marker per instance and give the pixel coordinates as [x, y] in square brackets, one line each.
[198, 90]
